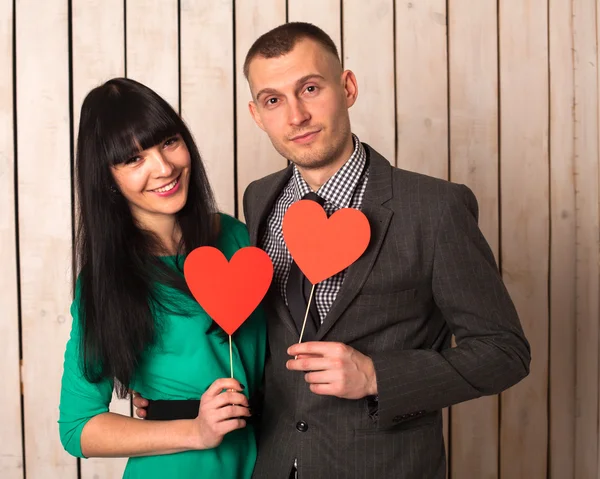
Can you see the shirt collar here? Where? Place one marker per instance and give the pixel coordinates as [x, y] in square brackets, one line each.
[338, 189]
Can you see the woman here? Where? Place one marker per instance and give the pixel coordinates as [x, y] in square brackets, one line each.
[144, 203]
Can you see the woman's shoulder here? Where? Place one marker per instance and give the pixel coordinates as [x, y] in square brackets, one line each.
[232, 232]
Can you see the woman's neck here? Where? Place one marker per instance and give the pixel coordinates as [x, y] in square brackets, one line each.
[166, 230]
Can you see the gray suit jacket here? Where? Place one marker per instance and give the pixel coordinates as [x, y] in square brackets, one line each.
[428, 273]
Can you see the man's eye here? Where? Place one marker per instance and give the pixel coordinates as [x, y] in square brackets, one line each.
[311, 89]
[272, 101]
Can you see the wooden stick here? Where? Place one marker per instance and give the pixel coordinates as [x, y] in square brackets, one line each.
[231, 356]
[306, 314]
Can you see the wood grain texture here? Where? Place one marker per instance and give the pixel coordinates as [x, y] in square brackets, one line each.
[473, 99]
[153, 46]
[11, 447]
[98, 55]
[207, 90]
[422, 86]
[587, 235]
[373, 114]
[255, 157]
[524, 183]
[326, 14]
[563, 248]
[44, 196]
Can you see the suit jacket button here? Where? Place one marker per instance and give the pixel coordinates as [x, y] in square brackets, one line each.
[302, 426]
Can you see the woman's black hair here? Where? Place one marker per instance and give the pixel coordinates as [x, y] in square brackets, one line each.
[117, 259]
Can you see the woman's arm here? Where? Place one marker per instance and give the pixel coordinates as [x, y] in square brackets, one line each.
[113, 435]
[87, 428]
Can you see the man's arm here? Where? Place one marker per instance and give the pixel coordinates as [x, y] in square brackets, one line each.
[492, 353]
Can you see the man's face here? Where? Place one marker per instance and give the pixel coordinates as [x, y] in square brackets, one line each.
[301, 101]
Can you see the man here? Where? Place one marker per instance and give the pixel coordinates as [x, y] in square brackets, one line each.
[363, 396]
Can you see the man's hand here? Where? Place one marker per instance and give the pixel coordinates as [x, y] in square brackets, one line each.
[140, 404]
[334, 369]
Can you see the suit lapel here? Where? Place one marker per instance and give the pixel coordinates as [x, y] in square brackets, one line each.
[378, 191]
[258, 213]
[264, 201]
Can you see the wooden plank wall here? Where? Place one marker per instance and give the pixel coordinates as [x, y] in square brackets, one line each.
[500, 95]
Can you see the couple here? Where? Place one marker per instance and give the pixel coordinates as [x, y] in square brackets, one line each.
[363, 396]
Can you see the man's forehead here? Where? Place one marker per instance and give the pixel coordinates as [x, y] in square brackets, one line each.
[306, 58]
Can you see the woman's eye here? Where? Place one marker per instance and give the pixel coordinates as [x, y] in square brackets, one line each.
[133, 160]
[171, 141]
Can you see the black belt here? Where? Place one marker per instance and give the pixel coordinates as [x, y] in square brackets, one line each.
[167, 410]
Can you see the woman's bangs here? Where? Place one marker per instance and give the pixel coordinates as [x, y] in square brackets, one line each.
[130, 128]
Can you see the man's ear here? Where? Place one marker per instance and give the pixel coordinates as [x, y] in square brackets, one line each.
[350, 87]
[255, 115]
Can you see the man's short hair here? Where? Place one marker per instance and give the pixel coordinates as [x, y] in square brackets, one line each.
[282, 40]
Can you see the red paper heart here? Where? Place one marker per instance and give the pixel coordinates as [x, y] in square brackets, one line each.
[321, 246]
[229, 291]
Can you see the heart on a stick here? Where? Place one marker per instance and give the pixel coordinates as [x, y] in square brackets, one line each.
[229, 291]
[321, 246]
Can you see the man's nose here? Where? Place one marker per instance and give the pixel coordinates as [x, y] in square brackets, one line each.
[298, 113]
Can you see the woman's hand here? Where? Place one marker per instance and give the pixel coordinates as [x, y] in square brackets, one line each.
[220, 412]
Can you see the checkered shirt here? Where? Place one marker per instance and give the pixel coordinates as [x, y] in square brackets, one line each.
[345, 189]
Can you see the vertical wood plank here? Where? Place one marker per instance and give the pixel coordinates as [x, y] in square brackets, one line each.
[525, 225]
[44, 195]
[153, 46]
[422, 95]
[373, 115]
[256, 157]
[587, 235]
[325, 14]
[98, 55]
[563, 244]
[11, 453]
[473, 99]
[207, 92]
[422, 87]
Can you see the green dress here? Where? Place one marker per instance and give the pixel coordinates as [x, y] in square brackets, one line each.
[182, 364]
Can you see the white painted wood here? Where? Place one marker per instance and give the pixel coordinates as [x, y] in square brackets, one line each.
[44, 195]
[98, 55]
[473, 100]
[369, 53]
[152, 46]
[256, 157]
[587, 238]
[207, 90]
[524, 95]
[421, 86]
[11, 452]
[563, 248]
[325, 14]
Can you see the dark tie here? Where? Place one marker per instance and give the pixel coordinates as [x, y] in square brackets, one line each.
[298, 289]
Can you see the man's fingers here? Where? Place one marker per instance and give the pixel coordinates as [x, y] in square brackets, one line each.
[321, 348]
[310, 364]
[322, 377]
[139, 401]
[141, 413]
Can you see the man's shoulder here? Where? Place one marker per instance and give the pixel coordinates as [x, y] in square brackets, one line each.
[264, 184]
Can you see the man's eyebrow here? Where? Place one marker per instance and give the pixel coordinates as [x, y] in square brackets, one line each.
[264, 91]
[299, 82]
